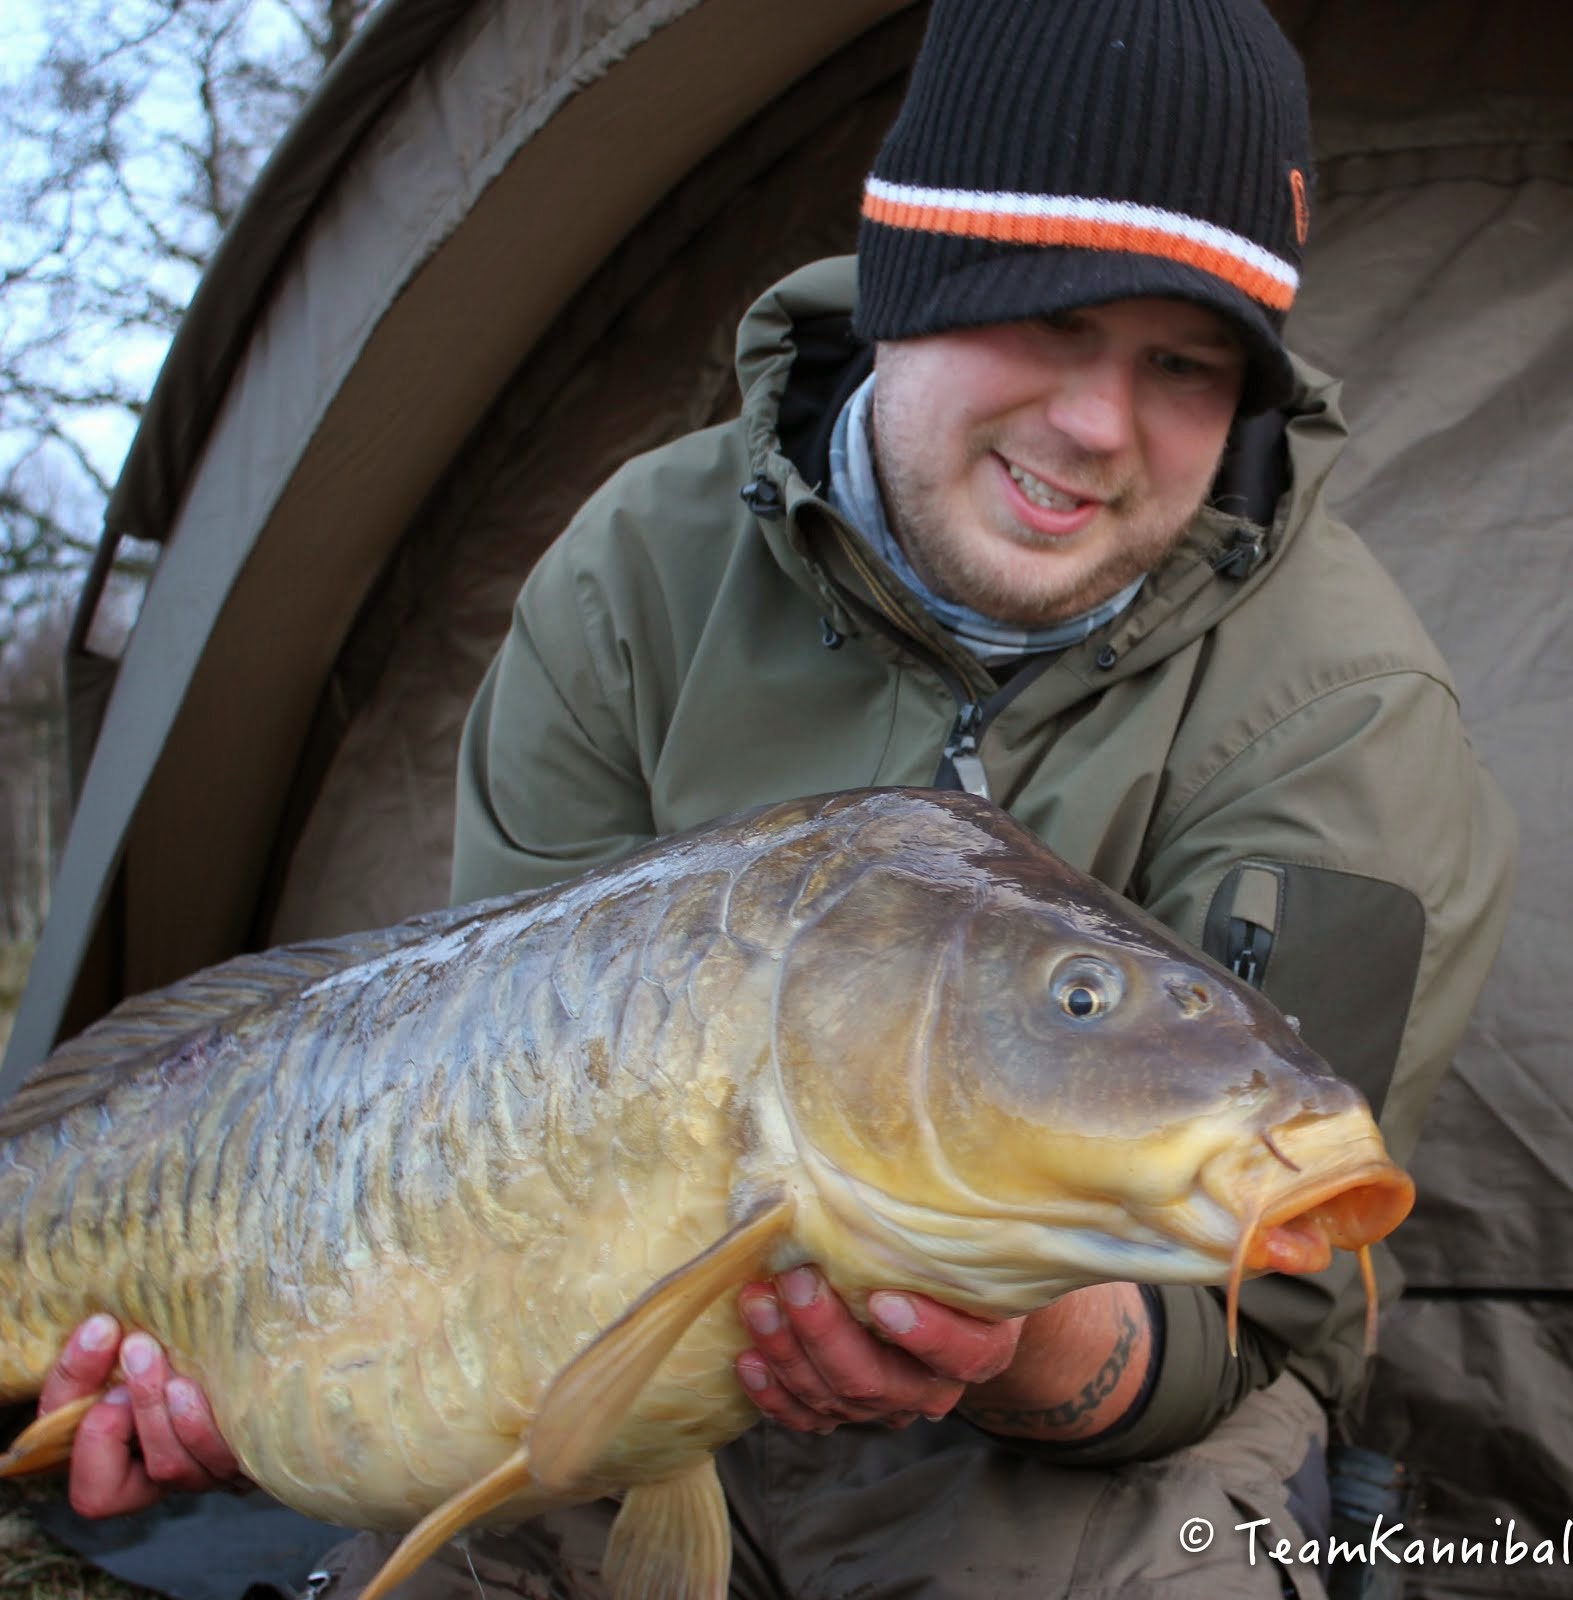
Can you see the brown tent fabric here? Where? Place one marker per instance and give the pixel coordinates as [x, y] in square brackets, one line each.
[1440, 288]
[516, 156]
[1439, 285]
[594, 395]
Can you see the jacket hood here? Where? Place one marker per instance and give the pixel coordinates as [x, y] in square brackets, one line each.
[788, 366]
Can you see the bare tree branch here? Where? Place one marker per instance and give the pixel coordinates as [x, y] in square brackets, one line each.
[125, 151]
[124, 154]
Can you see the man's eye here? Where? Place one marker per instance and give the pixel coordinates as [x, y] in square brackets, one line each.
[1177, 366]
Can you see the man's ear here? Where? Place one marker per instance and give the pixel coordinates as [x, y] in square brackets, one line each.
[1254, 471]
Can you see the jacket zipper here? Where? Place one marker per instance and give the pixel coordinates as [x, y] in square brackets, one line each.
[963, 676]
[1255, 916]
[961, 750]
[1246, 949]
[972, 715]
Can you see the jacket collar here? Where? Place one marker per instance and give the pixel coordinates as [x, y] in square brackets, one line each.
[797, 360]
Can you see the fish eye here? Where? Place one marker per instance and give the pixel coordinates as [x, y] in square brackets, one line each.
[1082, 1001]
[1085, 987]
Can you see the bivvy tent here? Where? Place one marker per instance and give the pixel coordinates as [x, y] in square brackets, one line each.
[506, 246]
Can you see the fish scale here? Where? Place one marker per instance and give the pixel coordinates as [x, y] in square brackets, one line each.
[449, 1219]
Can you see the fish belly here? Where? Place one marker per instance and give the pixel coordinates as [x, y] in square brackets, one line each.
[375, 1224]
[377, 1417]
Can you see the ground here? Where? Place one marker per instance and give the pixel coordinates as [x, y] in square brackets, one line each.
[34, 1567]
[14, 962]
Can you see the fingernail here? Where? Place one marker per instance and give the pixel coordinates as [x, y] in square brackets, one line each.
[99, 1332]
[136, 1354]
[894, 1312]
[763, 1314]
[801, 1286]
[120, 1395]
[753, 1374]
[181, 1394]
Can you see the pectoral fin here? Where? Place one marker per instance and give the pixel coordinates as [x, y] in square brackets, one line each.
[592, 1395]
[452, 1517]
[46, 1441]
[672, 1540]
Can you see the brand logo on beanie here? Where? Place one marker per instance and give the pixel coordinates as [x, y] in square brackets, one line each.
[1073, 222]
[1302, 206]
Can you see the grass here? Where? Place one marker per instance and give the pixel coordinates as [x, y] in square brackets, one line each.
[15, 959]
[33, 1566]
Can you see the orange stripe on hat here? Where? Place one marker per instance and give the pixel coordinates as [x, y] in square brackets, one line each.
[1028, 227]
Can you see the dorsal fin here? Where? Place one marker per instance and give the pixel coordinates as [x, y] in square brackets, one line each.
[151, 1027]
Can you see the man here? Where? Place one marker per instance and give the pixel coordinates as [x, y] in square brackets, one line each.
[1010, 525]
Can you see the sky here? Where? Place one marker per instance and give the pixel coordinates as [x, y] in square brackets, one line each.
[104, 435]
[88, 352]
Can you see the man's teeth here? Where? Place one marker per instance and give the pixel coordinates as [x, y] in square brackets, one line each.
[1043, 494]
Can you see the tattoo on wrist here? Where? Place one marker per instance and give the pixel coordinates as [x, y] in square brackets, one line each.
[1070, 1419]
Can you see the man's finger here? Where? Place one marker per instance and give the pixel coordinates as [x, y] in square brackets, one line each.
[857, 1365]
[776, 1402]
[85, 1364]
[777, 1345]
[197, 1431]
[839, 1366]
[950, 1343]
[853, 1363]
[834, 1362]
[164, 1457]
[106, 1479]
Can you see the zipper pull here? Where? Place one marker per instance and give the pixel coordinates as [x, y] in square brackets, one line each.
[962, 751]
[1253, 922]
[1248, 949]
[1246, 552]
[763, 498]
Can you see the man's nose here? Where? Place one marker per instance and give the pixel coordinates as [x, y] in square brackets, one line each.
[1094, 405]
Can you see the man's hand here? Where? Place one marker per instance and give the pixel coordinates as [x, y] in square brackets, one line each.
[150, 1435]
[814, 1366]
[1064, 1373]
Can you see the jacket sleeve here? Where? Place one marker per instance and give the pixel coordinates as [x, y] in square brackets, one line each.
[1361, 827]
[549, 775]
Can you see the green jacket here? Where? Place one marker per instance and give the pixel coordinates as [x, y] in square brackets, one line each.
[1269, 757]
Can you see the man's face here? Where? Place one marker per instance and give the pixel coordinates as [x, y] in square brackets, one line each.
[1033, 469]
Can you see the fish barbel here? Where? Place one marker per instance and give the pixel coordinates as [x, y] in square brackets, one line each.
[448, 1220]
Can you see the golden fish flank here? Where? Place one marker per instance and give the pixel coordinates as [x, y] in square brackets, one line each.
[448, 1219]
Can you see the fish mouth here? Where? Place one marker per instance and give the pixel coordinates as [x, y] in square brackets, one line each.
[1297, 1230]
[1303, 1225]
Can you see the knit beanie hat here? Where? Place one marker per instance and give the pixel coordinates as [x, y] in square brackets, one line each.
[1052, 154]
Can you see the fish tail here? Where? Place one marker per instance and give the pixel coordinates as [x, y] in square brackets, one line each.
[45, 1443]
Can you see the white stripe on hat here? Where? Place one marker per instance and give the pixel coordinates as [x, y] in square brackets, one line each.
[1122, 214]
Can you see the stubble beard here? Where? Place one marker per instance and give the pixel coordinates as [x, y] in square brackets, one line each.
[914, 506]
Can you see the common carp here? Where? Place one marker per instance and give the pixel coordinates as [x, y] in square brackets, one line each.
[448, 1220]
